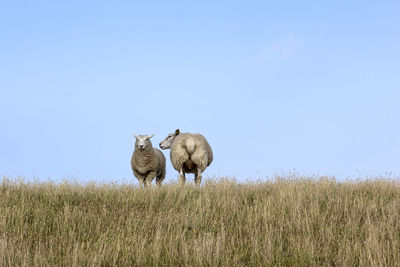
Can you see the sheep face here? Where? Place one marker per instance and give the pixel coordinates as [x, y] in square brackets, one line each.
[143, 141]
[167, 142]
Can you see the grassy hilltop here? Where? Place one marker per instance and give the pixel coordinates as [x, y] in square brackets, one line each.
[282, 222]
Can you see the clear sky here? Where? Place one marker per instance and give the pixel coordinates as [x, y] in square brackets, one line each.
[275, 86]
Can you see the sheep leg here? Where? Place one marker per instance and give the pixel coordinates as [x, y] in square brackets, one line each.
[160, 178]
[139, 177]
[149, 178]
[197, 177]
[182, 178]
[140, 183]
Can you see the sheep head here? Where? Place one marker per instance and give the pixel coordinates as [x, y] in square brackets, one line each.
[143, 141]
[167, 142]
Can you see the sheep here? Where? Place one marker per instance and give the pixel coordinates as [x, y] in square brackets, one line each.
[190, 153]
[147, 162]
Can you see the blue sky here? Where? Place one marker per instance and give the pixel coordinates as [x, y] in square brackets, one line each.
[275, 86]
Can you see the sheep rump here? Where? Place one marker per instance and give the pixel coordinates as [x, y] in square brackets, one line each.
[190, 151]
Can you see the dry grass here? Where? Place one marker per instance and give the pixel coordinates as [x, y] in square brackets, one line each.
[282, 222]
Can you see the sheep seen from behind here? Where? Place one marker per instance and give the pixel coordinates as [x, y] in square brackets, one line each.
[190, 153]
[147, 162]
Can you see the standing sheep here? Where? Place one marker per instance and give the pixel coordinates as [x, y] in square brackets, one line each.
[190, 153]
[147, 162]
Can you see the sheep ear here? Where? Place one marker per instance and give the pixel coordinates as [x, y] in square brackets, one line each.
[177, 131]
[150, 136]
[135, 136]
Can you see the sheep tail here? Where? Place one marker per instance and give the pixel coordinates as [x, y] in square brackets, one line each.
[190, 145]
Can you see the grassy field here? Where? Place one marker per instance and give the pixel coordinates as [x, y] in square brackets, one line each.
[292, 221]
